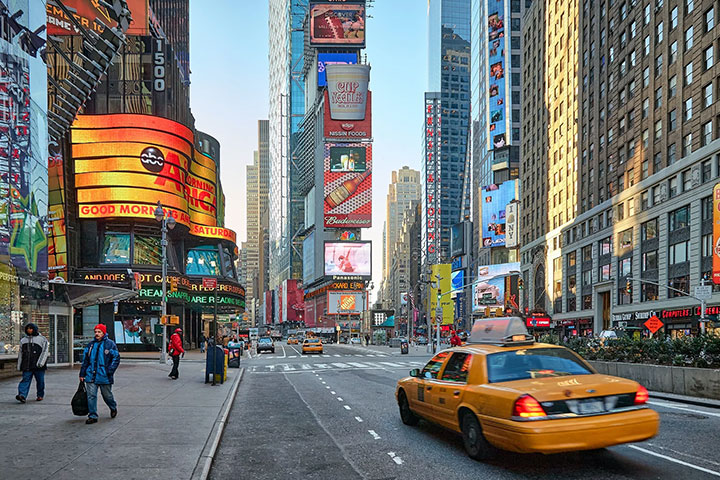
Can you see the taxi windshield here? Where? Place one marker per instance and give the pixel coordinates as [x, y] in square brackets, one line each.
[534, 363]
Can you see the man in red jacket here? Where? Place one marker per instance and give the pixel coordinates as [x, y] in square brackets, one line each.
[176, 349]
[455, 340]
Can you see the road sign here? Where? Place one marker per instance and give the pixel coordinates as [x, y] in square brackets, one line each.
[210, 283]
[654, 324]
[703, 292]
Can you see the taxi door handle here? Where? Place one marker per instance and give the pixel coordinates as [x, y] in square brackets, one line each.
[456, 392]
[429, 388]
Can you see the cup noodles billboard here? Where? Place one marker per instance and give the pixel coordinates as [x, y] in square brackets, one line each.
[348, 260]
[345, 303]
[347, 90]
[330, 58]
[332, 24]
[348, 185]
[348, 130]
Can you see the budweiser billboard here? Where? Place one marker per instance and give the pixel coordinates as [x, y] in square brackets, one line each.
[348, 185]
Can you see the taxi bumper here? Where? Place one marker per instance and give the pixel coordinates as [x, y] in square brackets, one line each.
[317, 349]
[564, 435]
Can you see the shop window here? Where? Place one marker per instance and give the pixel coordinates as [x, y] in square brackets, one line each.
[203, 261]
[708, 275]
[679, 283]
[116, 248]
[648, 292]
[147, 250]
[649, 229]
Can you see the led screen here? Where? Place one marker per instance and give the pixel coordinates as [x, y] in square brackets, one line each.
[351, 259]
[325, 59]
[332, 24]
[495, 199]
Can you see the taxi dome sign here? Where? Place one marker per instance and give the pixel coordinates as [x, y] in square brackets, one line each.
[500, 331]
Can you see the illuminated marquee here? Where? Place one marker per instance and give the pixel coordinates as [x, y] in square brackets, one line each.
[126, 163]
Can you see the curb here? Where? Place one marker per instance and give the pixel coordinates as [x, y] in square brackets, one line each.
[697, 401]
[202, 467]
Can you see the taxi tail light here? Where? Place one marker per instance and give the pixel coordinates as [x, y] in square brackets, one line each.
[641, 396]
[527, 407]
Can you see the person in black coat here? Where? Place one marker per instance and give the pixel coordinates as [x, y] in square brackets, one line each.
[32, 360]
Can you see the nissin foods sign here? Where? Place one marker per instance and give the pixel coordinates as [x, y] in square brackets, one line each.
[126, 163]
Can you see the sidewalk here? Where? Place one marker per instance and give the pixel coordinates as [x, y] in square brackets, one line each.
[164, 429]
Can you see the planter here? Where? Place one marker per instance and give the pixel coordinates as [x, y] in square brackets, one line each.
[695, 382]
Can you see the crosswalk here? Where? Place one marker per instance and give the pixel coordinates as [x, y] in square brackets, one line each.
[324, 355]
[345, 365]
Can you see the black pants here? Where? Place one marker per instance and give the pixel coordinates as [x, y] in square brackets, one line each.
[176, 364]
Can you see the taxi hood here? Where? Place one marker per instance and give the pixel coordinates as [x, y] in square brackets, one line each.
[570, 386]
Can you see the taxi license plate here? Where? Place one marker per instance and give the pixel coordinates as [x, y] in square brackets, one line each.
[590, 406]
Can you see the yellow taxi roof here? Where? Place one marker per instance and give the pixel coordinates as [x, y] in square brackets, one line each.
[486, 349]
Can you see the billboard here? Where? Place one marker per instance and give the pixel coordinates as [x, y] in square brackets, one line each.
[57, 238]
[512, 227]
[86, 11]
[348, 130]
[337, 25]
[345, 303]
[458, 280]
[489, 291]
[325, 59]
[441, 275]
[497, 46]
[348, 259]
[431, 188]
[309, 258]
[347, 87]
[495, 199]
[716, 235]
[126, 163]
[348, 188]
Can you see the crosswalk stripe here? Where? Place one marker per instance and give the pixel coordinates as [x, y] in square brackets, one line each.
[360, 365]
[341, 365]
[305, 366]
[390, 364]
[336, 355]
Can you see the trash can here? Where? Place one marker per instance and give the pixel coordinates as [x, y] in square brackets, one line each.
[234, 354]
[219, 368]
[404, 348]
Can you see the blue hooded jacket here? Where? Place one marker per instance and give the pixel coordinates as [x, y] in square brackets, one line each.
[100, 360]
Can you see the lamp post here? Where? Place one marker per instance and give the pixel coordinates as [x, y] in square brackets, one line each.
[167, 222]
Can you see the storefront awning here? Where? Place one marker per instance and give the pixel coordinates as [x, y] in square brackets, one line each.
[82, 295]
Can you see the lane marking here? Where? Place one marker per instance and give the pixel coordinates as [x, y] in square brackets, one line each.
[374, 435]
[390, 364]
[341, 365]
[332, 393]
[288, 368]
[322, 382]
[694, 457]
[395, 458]
[668, 405]
[305, 366]
[360, 420]
[283, 349]
[336, 355]
[339, 399]
[328, 387]
[674, 460]
[346, 407]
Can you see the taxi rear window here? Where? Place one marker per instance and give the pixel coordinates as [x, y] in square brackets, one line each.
[534, 363]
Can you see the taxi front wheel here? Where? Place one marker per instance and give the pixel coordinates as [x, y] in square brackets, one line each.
[406, 415]
[475, 444]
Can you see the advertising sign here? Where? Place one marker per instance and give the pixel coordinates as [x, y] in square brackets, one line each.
[345, 303]
[441, 275]
[538, 321]
[512, 230]
[458, 280]
[431, 183]
[126, 163]
[347, 90]
[457, 236]
[86, 11]
[497, 46]
[490, 289]
[348, 189]
[337, 25]
[495, 199]
[57, 238]
[348, 259]
[309, 258]
[325, 59]
[348, 130]
[716, 234]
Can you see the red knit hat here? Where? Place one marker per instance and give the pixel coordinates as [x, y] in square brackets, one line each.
[102, 327]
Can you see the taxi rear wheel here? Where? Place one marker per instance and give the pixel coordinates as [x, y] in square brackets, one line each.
[475, 444]
[406, 415]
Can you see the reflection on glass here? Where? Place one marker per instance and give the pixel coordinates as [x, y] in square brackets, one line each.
[148, 250]
[203, 261]
[116, 248]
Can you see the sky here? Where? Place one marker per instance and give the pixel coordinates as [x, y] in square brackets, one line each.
[229, 93]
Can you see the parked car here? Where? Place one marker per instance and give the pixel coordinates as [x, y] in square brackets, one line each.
[265, 344]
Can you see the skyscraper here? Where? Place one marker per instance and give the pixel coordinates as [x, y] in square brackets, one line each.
[402, 192]
[257, 186]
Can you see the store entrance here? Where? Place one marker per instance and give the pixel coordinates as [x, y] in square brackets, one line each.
[59, 336]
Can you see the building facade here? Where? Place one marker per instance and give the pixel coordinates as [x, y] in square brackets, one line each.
[403, 192]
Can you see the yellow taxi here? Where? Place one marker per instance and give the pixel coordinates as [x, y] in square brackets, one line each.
[312, 345]
[292, 341]
[503, 390]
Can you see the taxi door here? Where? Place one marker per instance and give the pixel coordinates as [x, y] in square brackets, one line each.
[449, 389]
[422, 394]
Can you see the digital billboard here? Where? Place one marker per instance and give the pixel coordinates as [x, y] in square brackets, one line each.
[325, 59]
[497, 104]
[347, 87]
[345, 303]
[489, 290]
[495, 199]
[346, 130]
[348, 192]
[57, 238]
[348, 259]
[716, 235]
[126, 163]
[441, 276]
[512, 221]
[458, 280]
[86, 11]
[334, 25]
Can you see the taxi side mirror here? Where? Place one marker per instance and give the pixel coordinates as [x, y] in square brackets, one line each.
[415, 372]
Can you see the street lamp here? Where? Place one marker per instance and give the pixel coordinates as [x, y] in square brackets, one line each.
[166, 222]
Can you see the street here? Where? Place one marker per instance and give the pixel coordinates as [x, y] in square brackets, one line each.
[334, 416]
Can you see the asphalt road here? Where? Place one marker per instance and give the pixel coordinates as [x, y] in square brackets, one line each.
[334, 417]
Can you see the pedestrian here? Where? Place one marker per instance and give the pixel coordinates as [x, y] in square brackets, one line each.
[100, 361]
[202, 343]
[34, 351]
[367, 339]
[176, 349]
[455, 340]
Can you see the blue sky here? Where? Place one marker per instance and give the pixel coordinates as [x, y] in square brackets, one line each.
[229, 92]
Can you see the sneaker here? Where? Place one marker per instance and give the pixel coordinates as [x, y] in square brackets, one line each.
[113, 413]
[39, 399]
[20, 398]
[90, 420]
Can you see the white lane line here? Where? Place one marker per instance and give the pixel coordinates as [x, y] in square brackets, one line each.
[288, 368]
[283, 349]
[324, 383]
[332, 393]
[339, 399]
[390, 364]
[668, 405]
[346, 407]
[374, 435]
[336, 355]
[395, 458]
[370, 355]
[305, 366]
[341, 365]
[317, 375]
[674, 460]
[292, 356]
[360, 420]
[328, 387]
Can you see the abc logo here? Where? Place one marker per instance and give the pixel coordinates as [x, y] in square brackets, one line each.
[152, 159]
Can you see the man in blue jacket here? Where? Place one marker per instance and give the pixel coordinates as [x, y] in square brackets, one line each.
[100, 360]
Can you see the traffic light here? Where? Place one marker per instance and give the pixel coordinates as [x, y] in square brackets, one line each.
[521, 283]
[173, 285]
[628, 287]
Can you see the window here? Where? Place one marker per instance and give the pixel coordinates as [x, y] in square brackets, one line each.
[678, 253]
[689, 6]
[709, 56]
[672, 86]
[659, 33]
[116, 248]
[679, 218]
[706, 245]
[625, 241]
[203, 261]
[671, 154]
[644, 200]
[673, 190]
[688, 73]
[689, 38]
[456, 369]
[646, 46]
[645, 169]
[605, 246]
[688, 109]
[604, 273]
[673, 18]
[650, 260]
[625, 267]
[587, 302]
[658, 130]
[534, 363]
[707, 95]
[679, 283]
[706, 133]
[709, 20]
[434, 365]
[147, 251]
[648, 292]
[656, 195]
[649, 229]
[672, 120]
[686, 180]
[587, 253]
[687, 145]
[658, 98]
[658, 65]
[646, 14]
[706, 172]
[645, 136]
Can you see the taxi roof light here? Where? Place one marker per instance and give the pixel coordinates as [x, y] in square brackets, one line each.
[503, 331]
[526, 407]
[641, 396]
